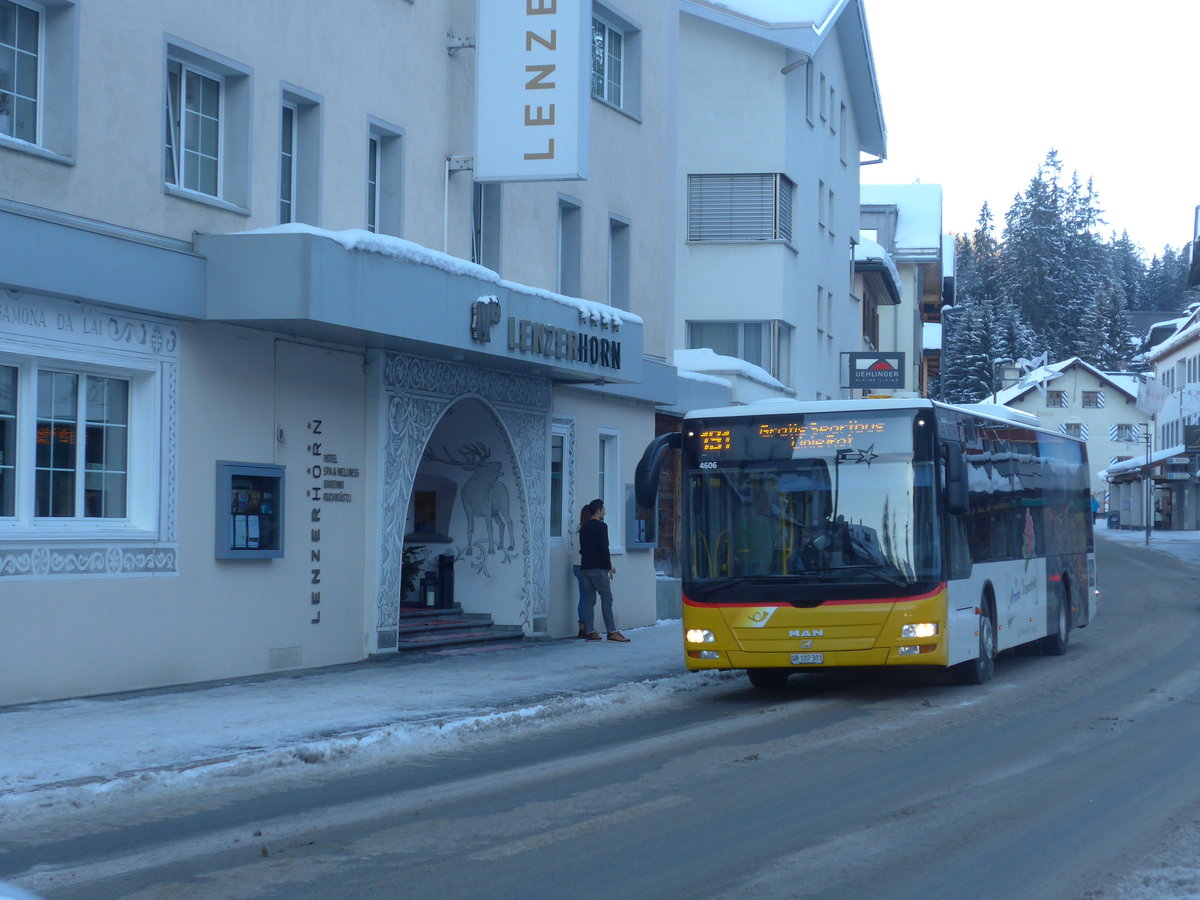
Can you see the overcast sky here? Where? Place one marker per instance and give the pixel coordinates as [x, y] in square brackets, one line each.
[974, 95]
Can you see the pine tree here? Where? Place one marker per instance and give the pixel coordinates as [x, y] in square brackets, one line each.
[984, 328]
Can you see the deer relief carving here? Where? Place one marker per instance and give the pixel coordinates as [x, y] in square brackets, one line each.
[483, 493]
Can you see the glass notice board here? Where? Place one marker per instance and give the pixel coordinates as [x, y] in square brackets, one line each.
[249, 511]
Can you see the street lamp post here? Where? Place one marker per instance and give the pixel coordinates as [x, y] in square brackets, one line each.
[1149, 489]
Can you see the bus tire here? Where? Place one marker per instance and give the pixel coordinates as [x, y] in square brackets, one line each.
[768, 679]
[979, 670]
[1056, 644]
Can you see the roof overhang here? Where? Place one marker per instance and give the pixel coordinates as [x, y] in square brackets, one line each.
[805, 28]
[398, 295]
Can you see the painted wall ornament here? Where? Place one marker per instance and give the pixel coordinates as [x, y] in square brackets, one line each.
[483, 495]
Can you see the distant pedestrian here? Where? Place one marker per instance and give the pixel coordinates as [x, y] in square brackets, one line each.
[585, 513]
[597, 571]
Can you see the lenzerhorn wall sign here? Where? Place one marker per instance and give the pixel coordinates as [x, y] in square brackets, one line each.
[540, 339]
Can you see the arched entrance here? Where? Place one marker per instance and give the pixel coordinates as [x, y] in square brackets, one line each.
[465, 474]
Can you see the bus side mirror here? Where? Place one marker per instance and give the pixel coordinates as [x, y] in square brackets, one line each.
[957, 500]
[645, 476]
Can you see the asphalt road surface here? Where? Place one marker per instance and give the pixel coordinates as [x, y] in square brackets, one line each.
[1049, 782]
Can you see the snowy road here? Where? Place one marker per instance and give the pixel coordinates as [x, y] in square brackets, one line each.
[1055, 780]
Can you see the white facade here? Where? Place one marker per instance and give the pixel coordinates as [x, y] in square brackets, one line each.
[1099, 407]
[773, 116]
[906, 219]
[329, 352]
[1176, 443]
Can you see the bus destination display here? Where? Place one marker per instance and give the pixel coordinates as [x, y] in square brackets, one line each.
[831, 434]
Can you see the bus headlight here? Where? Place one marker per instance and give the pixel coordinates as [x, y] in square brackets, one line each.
[700, 636]
[919, 630]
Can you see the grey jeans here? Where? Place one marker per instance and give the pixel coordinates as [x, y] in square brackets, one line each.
[596, 581]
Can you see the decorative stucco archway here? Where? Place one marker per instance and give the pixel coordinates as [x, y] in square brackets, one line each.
[418, 392]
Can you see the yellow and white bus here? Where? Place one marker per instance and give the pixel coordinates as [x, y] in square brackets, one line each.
[815, 535]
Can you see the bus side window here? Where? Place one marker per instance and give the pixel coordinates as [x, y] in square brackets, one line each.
[959, 548]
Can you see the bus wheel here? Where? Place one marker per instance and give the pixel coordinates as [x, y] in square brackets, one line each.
[979, 670]
[768, 678]
[1056, 644]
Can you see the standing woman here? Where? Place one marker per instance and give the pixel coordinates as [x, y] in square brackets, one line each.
[585, 513]
[596, 569]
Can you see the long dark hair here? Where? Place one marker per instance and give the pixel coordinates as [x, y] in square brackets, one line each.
[589, 510]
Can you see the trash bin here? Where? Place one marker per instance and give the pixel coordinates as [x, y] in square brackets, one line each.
[1114, 520]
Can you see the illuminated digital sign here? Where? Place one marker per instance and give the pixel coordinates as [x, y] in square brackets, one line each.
[753, 439]
[715, 440]
[819, 434]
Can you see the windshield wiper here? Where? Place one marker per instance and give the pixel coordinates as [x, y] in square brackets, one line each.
[887, 573]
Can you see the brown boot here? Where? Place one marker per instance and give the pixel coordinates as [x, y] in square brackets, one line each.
[617, 636]
[582, 631]
[593, 635]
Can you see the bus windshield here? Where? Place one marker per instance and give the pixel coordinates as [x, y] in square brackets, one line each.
[834, 501]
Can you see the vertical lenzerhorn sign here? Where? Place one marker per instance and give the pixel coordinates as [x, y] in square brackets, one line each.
[531, 90]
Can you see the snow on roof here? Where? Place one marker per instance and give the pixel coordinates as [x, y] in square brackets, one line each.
[919, 212]
[704, 378]
[1128, 466]
[803, 26]
[1186, 330]
[1044, 374]
[407, 251]
[867, 250]
[813, 14]
[931, 335]
[706, 361]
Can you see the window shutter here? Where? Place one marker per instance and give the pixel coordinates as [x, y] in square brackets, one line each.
[739, 207]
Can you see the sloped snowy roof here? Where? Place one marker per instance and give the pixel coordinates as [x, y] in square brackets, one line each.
[1047, 373]
[919, 213]
[870, 254]
[803, 26]
[706, 361]
[1187, 329]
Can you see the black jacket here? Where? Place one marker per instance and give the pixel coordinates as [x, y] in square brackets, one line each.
[593, 546]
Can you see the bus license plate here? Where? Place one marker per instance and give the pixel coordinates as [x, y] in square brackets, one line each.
[800, 659]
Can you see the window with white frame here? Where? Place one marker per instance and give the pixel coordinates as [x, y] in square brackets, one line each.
[608, 484]
[486, 225]
[842, 134]
[1056, 399]
[385, 172]
[767, 344]
[287, 164]
[559, 520]
[8, 440]
[1125, 432]
[570, 247]
[193, 129]
[299, 156]
[20, 65]
[206, 132]
[616, 59]
[619, 250]
[1092, 399]
[69, 436]
[372, 183]
[754, 207]
[38, 71]
[1075, 430]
